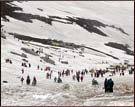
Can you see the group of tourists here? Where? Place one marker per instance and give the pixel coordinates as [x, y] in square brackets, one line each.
[26, 65]
[108, 85]
[76, 75]
[8, 60]
[28, 80]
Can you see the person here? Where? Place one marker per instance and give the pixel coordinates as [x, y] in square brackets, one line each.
[47, 75]
[22, 79]
[22, 71]
[22, 64]
[29, 65]
[38, 67]
[81, 78]
[105, 85]
[34, 82]
[59, 80]
[78, 77]
[74, 77]
[55, 79]
[50, 75]
[10, 62]
[94, 82]
[110, 85]
[28, 80]
[91, 74]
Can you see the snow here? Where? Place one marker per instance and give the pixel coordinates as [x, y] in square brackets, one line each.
[68, 93]
[13, 93]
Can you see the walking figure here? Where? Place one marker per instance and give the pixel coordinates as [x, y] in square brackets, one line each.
[105, 85]
[55, 79]
[34, 82]
[22, 79]
[28, 80]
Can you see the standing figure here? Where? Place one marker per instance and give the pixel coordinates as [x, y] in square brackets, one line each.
[22, 71]
[22, 79]
[55, 79]
[29, 65]
[81, 78]
[34, 82]
[105, 85]
[28, 80]
[110, 85]
[78, 78]
[38, 67]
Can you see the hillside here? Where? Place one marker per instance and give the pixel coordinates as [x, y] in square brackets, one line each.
[66, 36]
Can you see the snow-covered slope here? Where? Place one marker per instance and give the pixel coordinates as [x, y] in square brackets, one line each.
[99, 22]
[103, 29]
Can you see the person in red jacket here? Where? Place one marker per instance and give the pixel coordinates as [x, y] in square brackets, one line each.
[81, 78]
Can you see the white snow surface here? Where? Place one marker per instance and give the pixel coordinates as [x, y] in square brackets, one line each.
[48, 93]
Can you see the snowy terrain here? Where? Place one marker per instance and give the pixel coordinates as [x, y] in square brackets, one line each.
[69, 92]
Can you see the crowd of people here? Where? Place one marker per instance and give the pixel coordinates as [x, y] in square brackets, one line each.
[78, 76]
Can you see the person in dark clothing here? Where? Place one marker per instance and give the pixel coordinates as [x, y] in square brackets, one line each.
[105, 85]
[10, 62]
[47, 75]
[81, 78]
[110, 85]
[22, 79]
[50, 75]
[22, 64]
[38, 67]
[22, 71]
[29, 65]
[28, 80]
[34, 82]
[74, 77]
[78, 78]
[59, 80]
[55, 79]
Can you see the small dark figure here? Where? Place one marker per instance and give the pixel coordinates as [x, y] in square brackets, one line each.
[78, 78]
[123, 73]
[25, 65]
[101, 74]
[38, 67]
[29, 65]
[22, 79]
[72, 71]
[73, 77]
[50, 75]
[92, 74]
[81, 78]
[59, 80]
[34, 82]
[110, 85]
[7, 60]
[22, 64]
[105, 85]
[28, 80]
[94, 82]
[47, 75]
[10, 62]
[22, 71]
[55, 79]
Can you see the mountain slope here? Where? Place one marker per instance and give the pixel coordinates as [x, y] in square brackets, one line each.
[93, 24]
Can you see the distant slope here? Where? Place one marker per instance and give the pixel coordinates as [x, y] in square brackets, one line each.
[93, 24]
